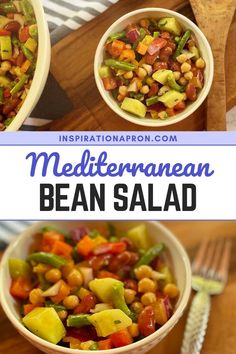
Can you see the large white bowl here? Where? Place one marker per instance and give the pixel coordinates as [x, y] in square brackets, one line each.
[158, 233]
[41, 72]
[134, 17]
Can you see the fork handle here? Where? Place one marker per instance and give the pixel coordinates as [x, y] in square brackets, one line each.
[196, 325]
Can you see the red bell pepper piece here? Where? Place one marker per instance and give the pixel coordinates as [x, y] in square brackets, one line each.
[110, 247]
[121, 338]
[105, 344]
[87, 303]
[62, 248]
[20, 288]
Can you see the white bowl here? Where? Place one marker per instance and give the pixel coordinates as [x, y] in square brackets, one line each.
[41, 72]
[158, 233]
[134, 17]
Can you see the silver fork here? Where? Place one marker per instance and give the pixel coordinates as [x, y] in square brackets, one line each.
[210, 272]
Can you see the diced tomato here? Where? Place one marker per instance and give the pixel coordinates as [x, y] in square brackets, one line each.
[170, 112]
[105, 344]
[28, 308]
[172, 45]
[153, 89]
[4, 32]
[146, 321]
[121, 338]
[24, 34]
[191, 92]
[159, 65]
[20, 288]
[105, 274]
[87, 303]
[85, 246]
[110, 247]
[180, 106]
[49, 238]
[109, 83]
[63, 292]
[131, 284]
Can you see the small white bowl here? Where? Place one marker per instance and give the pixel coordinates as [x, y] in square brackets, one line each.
[134, 17]
[41, 72]
[157, 232]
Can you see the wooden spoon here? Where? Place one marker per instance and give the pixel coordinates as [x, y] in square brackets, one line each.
[214, 18]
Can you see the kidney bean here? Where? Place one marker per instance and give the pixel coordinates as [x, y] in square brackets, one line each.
[159, 65]
[165, 35]
[146, 321]
[12, 26]
[87, 303]
[165, 53]
[153, 90]
[128, 242]
[98, 262]
[173, 65]
[131, 284]
[191, 92]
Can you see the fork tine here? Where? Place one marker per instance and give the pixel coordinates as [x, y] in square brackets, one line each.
[197, 262]
[209, 256]
[222, 273]
[216, 259]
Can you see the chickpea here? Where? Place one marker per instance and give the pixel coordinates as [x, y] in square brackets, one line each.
[145, 89]
[123, 90]
[141, 73]
[134, 330]
[177, 75]
[62, 314]
[185, 67]
[128, 75]
[149, 81]
[53, 275]
[41, 268]
[171, 290]
[148, 298]
[188, 76]
[75, 278]
[83, 292]
[36, 297]
[120, 98]
[144, 271]
[182, 58]
[71, 302]
[183, 81]
[137, 306]
[147, 285]
[129, 295]
[6, 65]
[67, 268]
[200, 63]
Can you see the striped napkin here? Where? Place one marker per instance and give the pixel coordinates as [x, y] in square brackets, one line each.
[10, 229]
[63, 16]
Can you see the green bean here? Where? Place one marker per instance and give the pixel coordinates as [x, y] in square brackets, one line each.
[48, 258]
[18, 86]
[78, 321]
[182, 43]
[152, 100]
[27, 53]
[115, 36]
[28, 11]
[118, 300]
[150, 255]
[8, 7]
[56, 307]
[120, 65]
[156, 34]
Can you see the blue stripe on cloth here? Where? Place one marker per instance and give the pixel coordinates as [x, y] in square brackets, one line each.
[10, 229]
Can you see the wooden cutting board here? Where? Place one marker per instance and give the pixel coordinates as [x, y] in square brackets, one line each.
[72, 65]
[221, 333]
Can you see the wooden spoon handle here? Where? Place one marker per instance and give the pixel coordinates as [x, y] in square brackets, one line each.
[216, 103]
